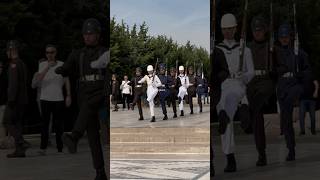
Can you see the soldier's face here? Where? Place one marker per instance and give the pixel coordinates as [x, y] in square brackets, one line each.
[190, 71]
[51, 53]
[259, 35]
[150, 72]
[181, 71]
[125, 78]
[228, 33]
[91, 39]
[162, 71]
[284, 40]
[172, 73]
[12, 53]
[138, 73]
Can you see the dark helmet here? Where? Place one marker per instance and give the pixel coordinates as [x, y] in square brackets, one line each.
[284, 30]
[91, 26]
[258, 23]
[162, 66]
[138, 69]
[13, 44]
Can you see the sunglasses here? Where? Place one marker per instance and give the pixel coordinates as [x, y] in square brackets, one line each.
[50, 52]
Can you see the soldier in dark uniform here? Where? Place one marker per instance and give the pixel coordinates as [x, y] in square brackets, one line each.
[291, 69]
[261, 87]
[174, 84]
[115, 91]
[163, 90]
[17, 99]
[192, 88]
[138, 91]
[200, 88]
[91, 93]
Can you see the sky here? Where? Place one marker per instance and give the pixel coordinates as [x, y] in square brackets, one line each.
[182, 20]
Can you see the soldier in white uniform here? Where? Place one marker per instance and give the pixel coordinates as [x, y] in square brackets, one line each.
[153, 83]
[233, 89]
[183, 88]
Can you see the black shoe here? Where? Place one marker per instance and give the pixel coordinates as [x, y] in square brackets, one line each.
[223, 121]
[17, 154]
[182, 113]
[70, 143]
[200, 110]
[153, 119]
[191, 112]
[262, 161]
[131, 106]
[165, 117]
[175, 115]
[101, 175]
[141, 118]
[291, 156]
[302, 133]
[231, 164]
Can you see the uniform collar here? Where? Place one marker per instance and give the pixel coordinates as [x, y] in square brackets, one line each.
[229, 43]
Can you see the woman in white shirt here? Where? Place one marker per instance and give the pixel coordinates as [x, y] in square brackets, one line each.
[52, 100]
[126, 91]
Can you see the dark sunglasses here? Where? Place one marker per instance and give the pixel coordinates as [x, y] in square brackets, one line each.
[50, 52]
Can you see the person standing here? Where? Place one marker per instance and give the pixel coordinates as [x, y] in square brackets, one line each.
[233, 89]
[91, 93]
[153, 83]
[52, 100]
[261, 87]
[174, 84]
[191, 90]
[291, 69]
[115, 92]
[17, 99]
[126, 91]
[138, 92]
[183, 88]
[308, 104]
[201, 83]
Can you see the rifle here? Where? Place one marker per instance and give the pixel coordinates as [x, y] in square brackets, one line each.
[202, 75]
[155, 70]
[271, 41]
[243, 36]
[194, 68]
[296, 36]
[166, 67]
[176, 69]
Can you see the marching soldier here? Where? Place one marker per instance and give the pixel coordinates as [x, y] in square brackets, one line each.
[153, 83]
[174, 84]
[201, 83]
[292, 69]
[91, 93]
[191, 88]
[233, 89]
[138, 92]
[16, 100]
[184, 80]
[261, 87]
[164, 90]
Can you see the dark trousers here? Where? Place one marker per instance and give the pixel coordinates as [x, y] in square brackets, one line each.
[163, 97]
[126, 98]
[191, 93]
[137, 100]
[200, 101]
[54, 108]
[307, 106]
[13, 122]
[259, 92]
[287, 95]
[172, 100]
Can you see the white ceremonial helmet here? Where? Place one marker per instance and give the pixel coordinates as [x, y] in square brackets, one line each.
[228, 21]
[150, 68]
[181, 68]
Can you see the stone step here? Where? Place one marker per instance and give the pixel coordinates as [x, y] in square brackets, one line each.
[160, 148]
[184, 130]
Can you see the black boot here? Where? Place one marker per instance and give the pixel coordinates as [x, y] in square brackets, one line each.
[175, 115]
[231, 164]
[223, 121]
[141, 118]
[101, 175]
[291, 155]
[70, 142]
[262, 160]
[181, 114]
[200, 109]
[131, 106]
[153, 119]
[165, 117]
[191, 112]
[18, 153]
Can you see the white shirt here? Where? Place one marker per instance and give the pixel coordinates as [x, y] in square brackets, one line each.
[126, 88]
[233, 60]
[184, 80]
[52, 83]
[156, 81]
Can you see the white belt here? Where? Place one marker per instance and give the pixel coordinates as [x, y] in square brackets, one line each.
[93, 77]
[288, 75]
[190, 84]
[260, 72]
[200, 85]
[138, 86]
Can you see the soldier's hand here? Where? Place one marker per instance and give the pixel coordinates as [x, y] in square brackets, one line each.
[68, 101]
[315, 94]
